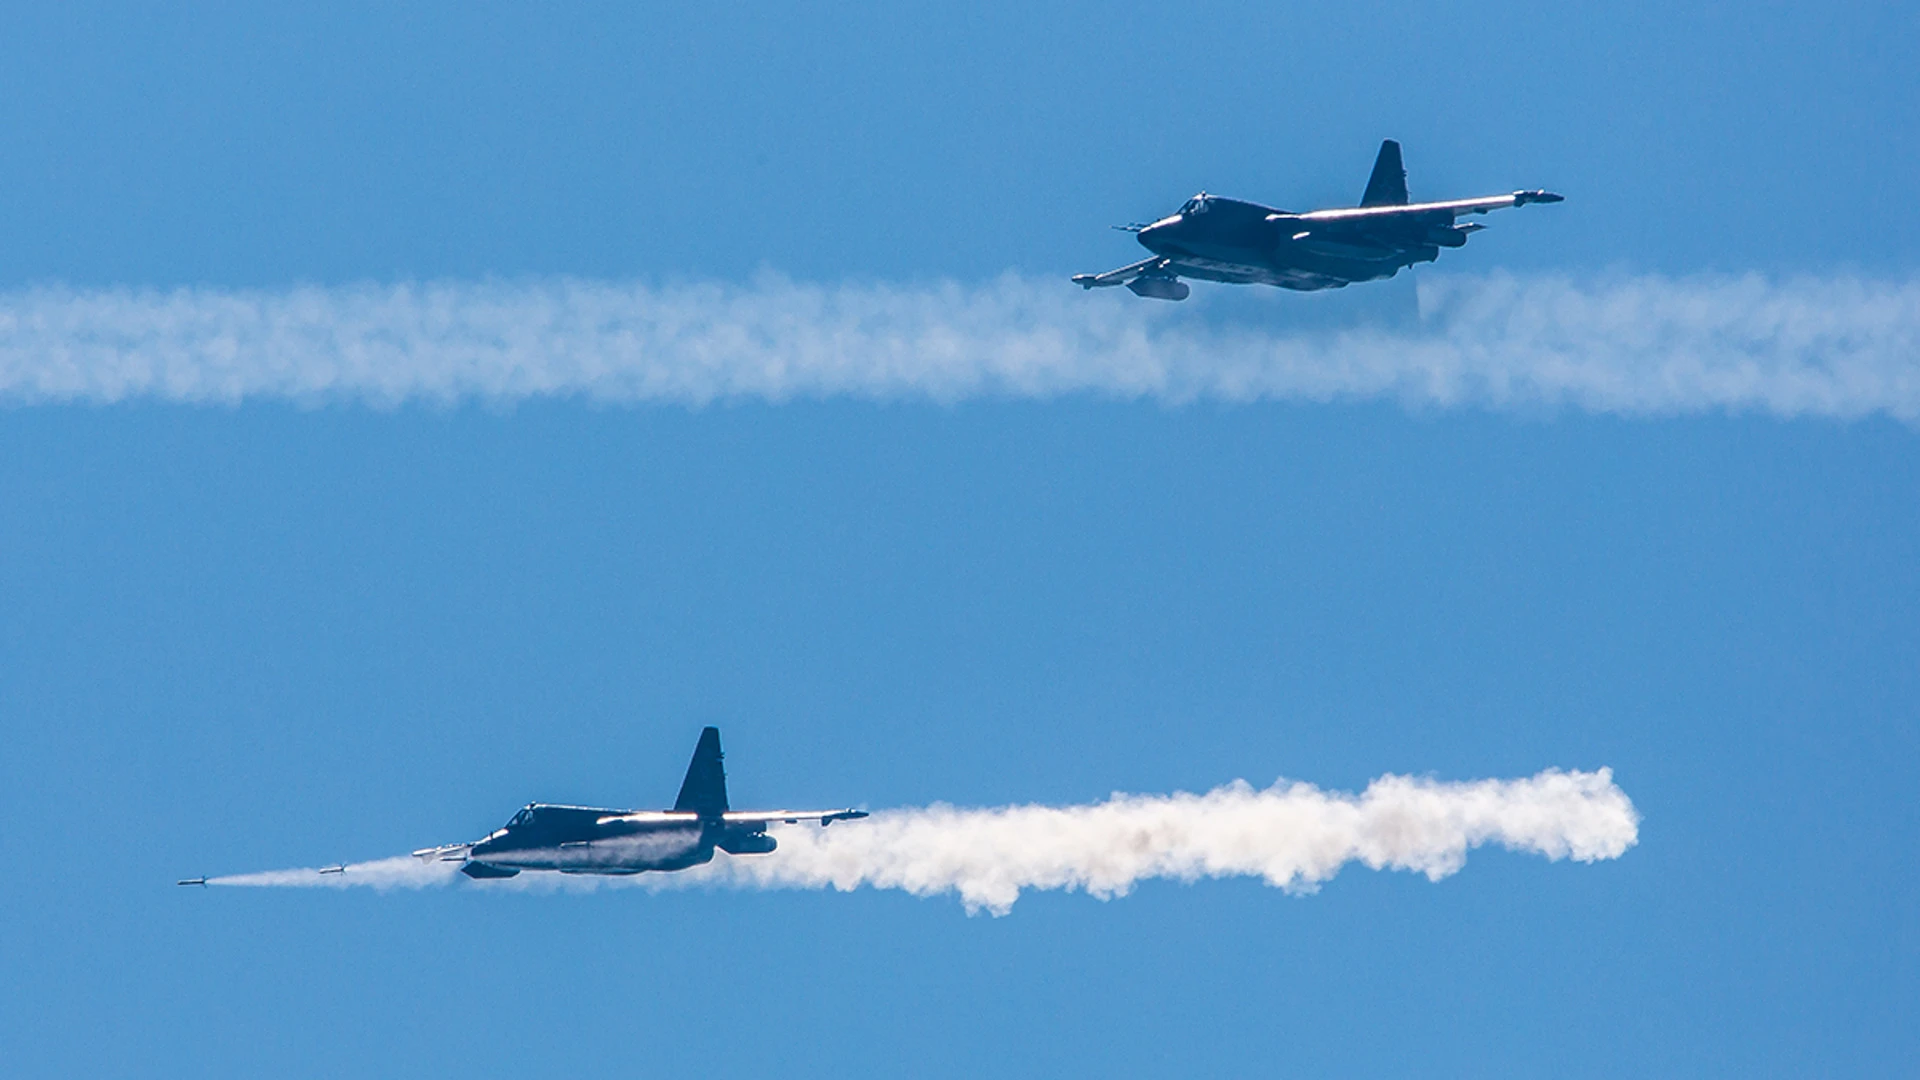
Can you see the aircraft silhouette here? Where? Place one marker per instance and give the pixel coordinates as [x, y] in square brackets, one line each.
[1229, 240]
[600, 840]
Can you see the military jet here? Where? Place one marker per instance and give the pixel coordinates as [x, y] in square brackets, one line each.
[596, 840]
[1244, 243]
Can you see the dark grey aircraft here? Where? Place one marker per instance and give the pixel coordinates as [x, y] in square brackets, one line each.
[1243, 243]
[597, 840]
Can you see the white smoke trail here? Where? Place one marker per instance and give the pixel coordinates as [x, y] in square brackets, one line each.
[1292, 835]
[399, 872]
[1833, 347]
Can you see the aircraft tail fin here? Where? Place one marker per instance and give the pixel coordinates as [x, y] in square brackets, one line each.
[1388, 184]
[705, 789]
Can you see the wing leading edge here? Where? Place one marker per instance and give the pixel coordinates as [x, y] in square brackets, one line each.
[1455, 208]
[735, 817]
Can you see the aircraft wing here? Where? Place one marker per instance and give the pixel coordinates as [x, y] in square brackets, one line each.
[1386, 215]
[791, 817]
[654, 817]
[732, 817]
[1122, 275]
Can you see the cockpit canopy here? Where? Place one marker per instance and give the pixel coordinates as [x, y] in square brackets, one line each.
[1197, 204]
[523, 817]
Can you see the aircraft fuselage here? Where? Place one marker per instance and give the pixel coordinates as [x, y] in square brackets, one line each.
[1245, 243]
[596, 840]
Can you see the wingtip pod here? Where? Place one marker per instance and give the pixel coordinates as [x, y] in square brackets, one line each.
[1522, 198]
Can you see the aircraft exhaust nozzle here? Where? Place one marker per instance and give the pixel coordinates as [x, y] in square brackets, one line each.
[746, 843]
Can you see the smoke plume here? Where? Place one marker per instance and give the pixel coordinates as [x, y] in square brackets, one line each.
[1293, 836]
[1831, 347]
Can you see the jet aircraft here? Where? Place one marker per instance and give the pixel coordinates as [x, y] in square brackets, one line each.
[597, 840]
[1244, 243]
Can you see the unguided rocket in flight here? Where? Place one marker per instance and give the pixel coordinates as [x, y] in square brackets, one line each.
[1245, 243]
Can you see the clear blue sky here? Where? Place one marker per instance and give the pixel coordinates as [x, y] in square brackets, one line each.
[246, 638]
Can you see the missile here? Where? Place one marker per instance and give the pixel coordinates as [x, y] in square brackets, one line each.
[338, 869]
[200, 881]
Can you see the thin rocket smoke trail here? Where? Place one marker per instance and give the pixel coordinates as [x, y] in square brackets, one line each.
[1649, 345]
[1294, 836]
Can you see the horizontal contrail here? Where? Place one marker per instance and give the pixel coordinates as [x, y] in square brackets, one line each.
[1292, 835]
[1829, 347]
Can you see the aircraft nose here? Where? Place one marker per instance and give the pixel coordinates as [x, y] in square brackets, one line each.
[1153, 235]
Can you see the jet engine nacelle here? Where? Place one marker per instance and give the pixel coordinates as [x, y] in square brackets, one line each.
[1159, 288]
[1452, 236]
[741, 842]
